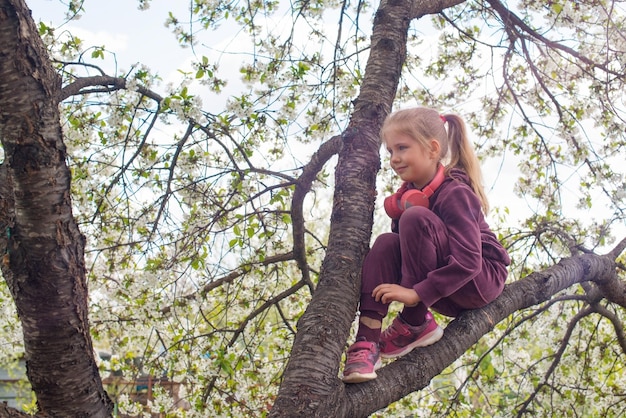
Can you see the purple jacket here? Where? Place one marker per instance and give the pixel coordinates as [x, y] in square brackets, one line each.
[477, 260]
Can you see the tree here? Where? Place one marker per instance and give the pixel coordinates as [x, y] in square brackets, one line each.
[43, 262]
[200, 209]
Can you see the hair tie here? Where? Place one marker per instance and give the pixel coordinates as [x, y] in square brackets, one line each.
[443, 118]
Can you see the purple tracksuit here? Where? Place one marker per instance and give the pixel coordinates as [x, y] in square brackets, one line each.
[446, 253]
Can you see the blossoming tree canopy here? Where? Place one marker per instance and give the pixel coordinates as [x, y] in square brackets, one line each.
[182, 232]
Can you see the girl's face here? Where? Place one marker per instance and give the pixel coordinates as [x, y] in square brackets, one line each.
[410, 160]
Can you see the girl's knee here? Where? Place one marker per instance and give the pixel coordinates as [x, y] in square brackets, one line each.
[416, 216]
[386, 241]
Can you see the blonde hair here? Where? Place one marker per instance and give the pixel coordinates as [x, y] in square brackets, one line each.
[423, 124]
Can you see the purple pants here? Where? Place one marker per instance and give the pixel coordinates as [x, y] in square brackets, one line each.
[406, 257]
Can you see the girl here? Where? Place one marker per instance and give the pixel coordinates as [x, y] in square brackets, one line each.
[440, 254]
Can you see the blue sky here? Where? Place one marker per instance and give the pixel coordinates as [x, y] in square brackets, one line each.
[134, 35]
[137, 36]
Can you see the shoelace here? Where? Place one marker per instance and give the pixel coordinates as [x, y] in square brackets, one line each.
[358, 355]
[395, 328]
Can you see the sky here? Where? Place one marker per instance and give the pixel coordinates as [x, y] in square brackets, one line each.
[137, 36]
[140, 36]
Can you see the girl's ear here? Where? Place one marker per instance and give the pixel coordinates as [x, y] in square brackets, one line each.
[435, 149]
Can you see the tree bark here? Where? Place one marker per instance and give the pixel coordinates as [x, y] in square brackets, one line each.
[42, 249]
[414, 371]
[43, 261]
[310, 386]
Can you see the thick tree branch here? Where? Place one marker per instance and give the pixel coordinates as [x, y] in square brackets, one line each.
[107, 83]
[415, 371]
[617, 250]
[303, 186]
[617, 323]
[422, 8]
[8, 412]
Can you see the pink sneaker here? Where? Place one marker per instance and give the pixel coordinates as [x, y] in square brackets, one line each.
[363, 359]
[400, 338]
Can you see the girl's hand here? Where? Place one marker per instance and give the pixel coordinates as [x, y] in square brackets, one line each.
[387, 293]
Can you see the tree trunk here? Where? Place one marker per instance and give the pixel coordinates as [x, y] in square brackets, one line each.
[43, 260]
[310, 386]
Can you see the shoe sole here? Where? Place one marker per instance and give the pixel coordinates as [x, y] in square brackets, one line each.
[362, 377]
[434, 336]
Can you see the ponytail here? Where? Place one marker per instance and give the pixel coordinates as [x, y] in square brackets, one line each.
[423, 124]
[461, 155]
